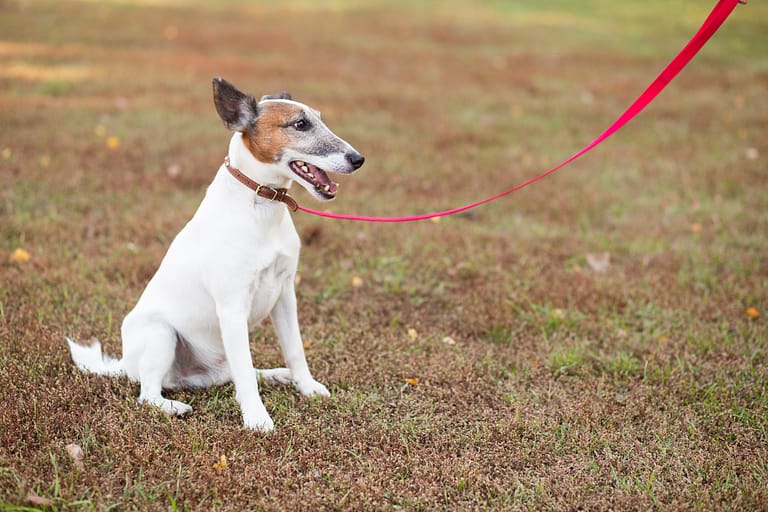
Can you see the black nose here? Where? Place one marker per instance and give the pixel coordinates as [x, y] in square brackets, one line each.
[356, 159]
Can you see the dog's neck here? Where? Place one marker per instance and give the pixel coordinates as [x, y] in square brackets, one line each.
[241, 158]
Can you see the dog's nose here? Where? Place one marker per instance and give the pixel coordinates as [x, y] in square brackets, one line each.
[356, 159]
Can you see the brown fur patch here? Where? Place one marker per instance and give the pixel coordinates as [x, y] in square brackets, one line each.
[267, 140]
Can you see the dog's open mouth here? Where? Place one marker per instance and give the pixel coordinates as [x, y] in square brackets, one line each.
[316, 177]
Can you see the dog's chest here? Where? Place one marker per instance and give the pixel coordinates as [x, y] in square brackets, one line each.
[271, 268]
[267, 286]
[249, 253]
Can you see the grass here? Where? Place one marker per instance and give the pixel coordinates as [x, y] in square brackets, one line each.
[478, 363]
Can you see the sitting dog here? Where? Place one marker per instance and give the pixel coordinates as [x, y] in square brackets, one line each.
[233, 264]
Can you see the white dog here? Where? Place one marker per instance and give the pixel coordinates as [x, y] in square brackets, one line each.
[233, 264]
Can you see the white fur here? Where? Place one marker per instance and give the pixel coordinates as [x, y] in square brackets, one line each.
[231, 266]
[90, 359]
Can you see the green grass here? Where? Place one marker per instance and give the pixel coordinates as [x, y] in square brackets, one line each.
[643, 387]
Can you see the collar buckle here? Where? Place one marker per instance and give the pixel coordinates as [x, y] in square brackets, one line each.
[267, 192]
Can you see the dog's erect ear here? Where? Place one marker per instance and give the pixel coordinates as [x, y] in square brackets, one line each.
[279, 96]
[238, 111]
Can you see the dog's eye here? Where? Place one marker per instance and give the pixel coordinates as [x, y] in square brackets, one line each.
[302, 125]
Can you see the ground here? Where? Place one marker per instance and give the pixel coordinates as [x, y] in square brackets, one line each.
[596, 341]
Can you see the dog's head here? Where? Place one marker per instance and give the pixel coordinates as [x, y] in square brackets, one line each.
[287, 135]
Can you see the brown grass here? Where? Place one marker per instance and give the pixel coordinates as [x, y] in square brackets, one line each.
[643, 387]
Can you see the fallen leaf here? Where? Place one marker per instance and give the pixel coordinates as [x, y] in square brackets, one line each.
[587, 97]
[76, 452]
[435, 220]
[751, 153]
[307, 345]
[173, 170]
[411, 381]
[600, 262]
[696, 227]
[113, 142]
[357, 282]
[222, 464]
[753, 313]
[45, 160]
[413, 333]
[7, 153]
[19, 256]
[449, 341]
[171, 32]
[100, 130]
[558, 313]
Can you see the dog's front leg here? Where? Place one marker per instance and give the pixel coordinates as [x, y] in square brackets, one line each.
[286, 321]
[234, 335]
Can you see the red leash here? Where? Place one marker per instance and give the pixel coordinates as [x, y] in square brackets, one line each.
[716, 18]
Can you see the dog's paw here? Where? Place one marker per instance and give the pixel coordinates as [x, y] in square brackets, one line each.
[275, 376]
[259, 422]
[311, 388]
[168, 407]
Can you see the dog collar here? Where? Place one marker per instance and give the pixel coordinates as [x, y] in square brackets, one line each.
[273, 194]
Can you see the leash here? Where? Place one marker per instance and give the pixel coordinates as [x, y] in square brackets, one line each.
[711, 24]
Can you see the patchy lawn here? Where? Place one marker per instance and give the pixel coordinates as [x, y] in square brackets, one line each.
[596, 341]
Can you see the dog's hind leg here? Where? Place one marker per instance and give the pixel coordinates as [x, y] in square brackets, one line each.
[156, 344]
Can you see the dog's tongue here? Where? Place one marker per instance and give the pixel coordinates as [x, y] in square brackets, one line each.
[323, 181]
[315, 176]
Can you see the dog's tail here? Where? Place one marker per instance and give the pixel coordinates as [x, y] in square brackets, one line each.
[90, 359]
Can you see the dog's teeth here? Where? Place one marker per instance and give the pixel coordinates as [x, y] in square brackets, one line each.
[300, 163]
[304, 168]
[327, 188]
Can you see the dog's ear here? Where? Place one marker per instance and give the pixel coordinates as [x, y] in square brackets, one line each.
[238, 111]
[279, 96]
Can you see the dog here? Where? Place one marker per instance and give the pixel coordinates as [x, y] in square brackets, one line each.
[233, 264]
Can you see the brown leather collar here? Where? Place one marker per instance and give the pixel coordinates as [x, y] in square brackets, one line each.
[273, 194]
